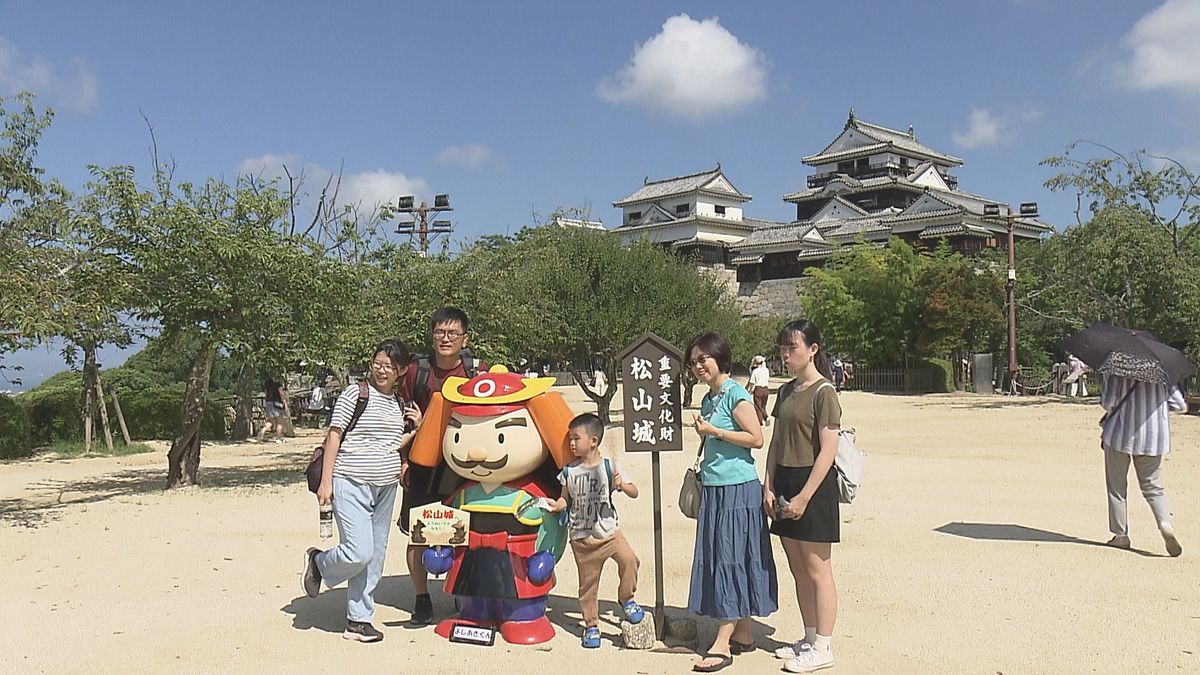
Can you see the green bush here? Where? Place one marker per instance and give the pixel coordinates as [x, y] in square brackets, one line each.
[151, 410]
[53, 411]
[15, 440]
[942, 371]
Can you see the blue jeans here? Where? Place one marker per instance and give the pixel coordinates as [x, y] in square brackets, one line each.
[364, 517]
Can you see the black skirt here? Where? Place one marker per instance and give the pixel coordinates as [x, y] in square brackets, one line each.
[821, 522]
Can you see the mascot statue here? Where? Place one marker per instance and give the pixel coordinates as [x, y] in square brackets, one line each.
[506, 435]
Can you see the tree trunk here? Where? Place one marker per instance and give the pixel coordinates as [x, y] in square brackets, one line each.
[183, 459]
[689, 383]
[108, 442]
[120, 416]
[603, 400]
[87, 395]
[243, 420]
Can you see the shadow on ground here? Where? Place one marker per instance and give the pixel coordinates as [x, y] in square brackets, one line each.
[327, 612]
[1013, 532]
[1006, 402]
[54, 495]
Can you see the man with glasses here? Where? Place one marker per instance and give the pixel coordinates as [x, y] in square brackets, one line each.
[448, 333]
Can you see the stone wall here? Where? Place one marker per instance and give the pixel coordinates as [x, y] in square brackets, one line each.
[774, 298]
[771, 298]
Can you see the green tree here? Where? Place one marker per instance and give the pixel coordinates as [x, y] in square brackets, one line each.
[867, 302]
[31, 210]
[962, 304]
[589, 298]
[1160, 188]
[219, 264]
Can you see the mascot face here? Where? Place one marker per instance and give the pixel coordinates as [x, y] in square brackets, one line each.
[493, 449]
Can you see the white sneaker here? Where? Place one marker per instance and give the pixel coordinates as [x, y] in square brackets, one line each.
[1168, 535]
[793, 650]
[809, 660]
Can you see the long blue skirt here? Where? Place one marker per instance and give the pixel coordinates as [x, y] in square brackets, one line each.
[733, 570]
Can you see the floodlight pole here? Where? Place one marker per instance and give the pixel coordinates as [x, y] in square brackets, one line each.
[1028, 210]
[1012, 301]
[420, 224]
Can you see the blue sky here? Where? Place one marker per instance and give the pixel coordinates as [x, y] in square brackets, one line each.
[514, 108]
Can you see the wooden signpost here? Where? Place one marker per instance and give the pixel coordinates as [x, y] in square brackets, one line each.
[650, 373]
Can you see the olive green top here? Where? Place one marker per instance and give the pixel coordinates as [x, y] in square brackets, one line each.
[800, 415]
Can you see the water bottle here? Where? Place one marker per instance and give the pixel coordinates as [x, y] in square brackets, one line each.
[326, 521]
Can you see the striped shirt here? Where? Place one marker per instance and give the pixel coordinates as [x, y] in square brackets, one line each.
[1141, 426]
[369, 453]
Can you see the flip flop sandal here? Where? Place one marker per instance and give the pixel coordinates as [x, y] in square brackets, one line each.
[726, 661]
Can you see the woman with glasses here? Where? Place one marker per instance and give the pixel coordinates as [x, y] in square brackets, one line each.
[733, 571]
[359, 476]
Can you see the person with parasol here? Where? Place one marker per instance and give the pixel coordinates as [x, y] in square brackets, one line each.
[1140, 378]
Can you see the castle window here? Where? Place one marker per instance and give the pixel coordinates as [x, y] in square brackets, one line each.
[719, 210]
[682, 209]
[635, 216]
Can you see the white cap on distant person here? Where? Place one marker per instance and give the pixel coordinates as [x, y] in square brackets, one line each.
[759, 359]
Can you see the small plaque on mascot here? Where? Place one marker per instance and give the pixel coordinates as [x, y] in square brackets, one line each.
[438, 525]
[473, 635]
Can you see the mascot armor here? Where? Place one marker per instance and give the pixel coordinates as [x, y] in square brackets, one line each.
[507, 436]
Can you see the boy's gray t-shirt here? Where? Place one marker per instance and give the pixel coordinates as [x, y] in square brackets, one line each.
[589, 491]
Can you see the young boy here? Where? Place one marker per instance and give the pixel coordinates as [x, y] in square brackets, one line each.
[588, 484]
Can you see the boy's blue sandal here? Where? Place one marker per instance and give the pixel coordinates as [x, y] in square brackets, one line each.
[633, 612]
[591, 637]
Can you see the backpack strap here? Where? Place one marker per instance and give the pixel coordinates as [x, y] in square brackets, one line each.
[359, 406]
[471, 366]
[608, 472]
[420, 390]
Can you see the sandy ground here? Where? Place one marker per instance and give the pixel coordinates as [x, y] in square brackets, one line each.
[974, 548]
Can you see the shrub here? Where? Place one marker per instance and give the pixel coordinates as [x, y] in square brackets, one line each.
[53, 411]
[15, 440]
[151, 410]
[943, 374]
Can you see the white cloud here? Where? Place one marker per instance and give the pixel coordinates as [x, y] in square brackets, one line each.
[983, 130]
[469, 156]
[1187, 155]
[368, 189]
[268, 165]
[691, 69]
[1163, 49]
[372, 188]
[72, 84]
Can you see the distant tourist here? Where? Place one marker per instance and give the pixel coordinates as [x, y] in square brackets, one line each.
[1076, 376]
[760, 387]
[275, 409]
[599, 381]
[1136, 428]
[839, 374]
[733, 569]
[802, 492]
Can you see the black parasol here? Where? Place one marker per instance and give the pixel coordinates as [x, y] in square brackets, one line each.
[1135, 354]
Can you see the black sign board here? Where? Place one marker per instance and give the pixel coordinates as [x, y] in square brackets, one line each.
[651, 369]
[650, 376]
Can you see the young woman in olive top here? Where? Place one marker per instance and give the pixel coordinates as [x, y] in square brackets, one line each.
[801, 490]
